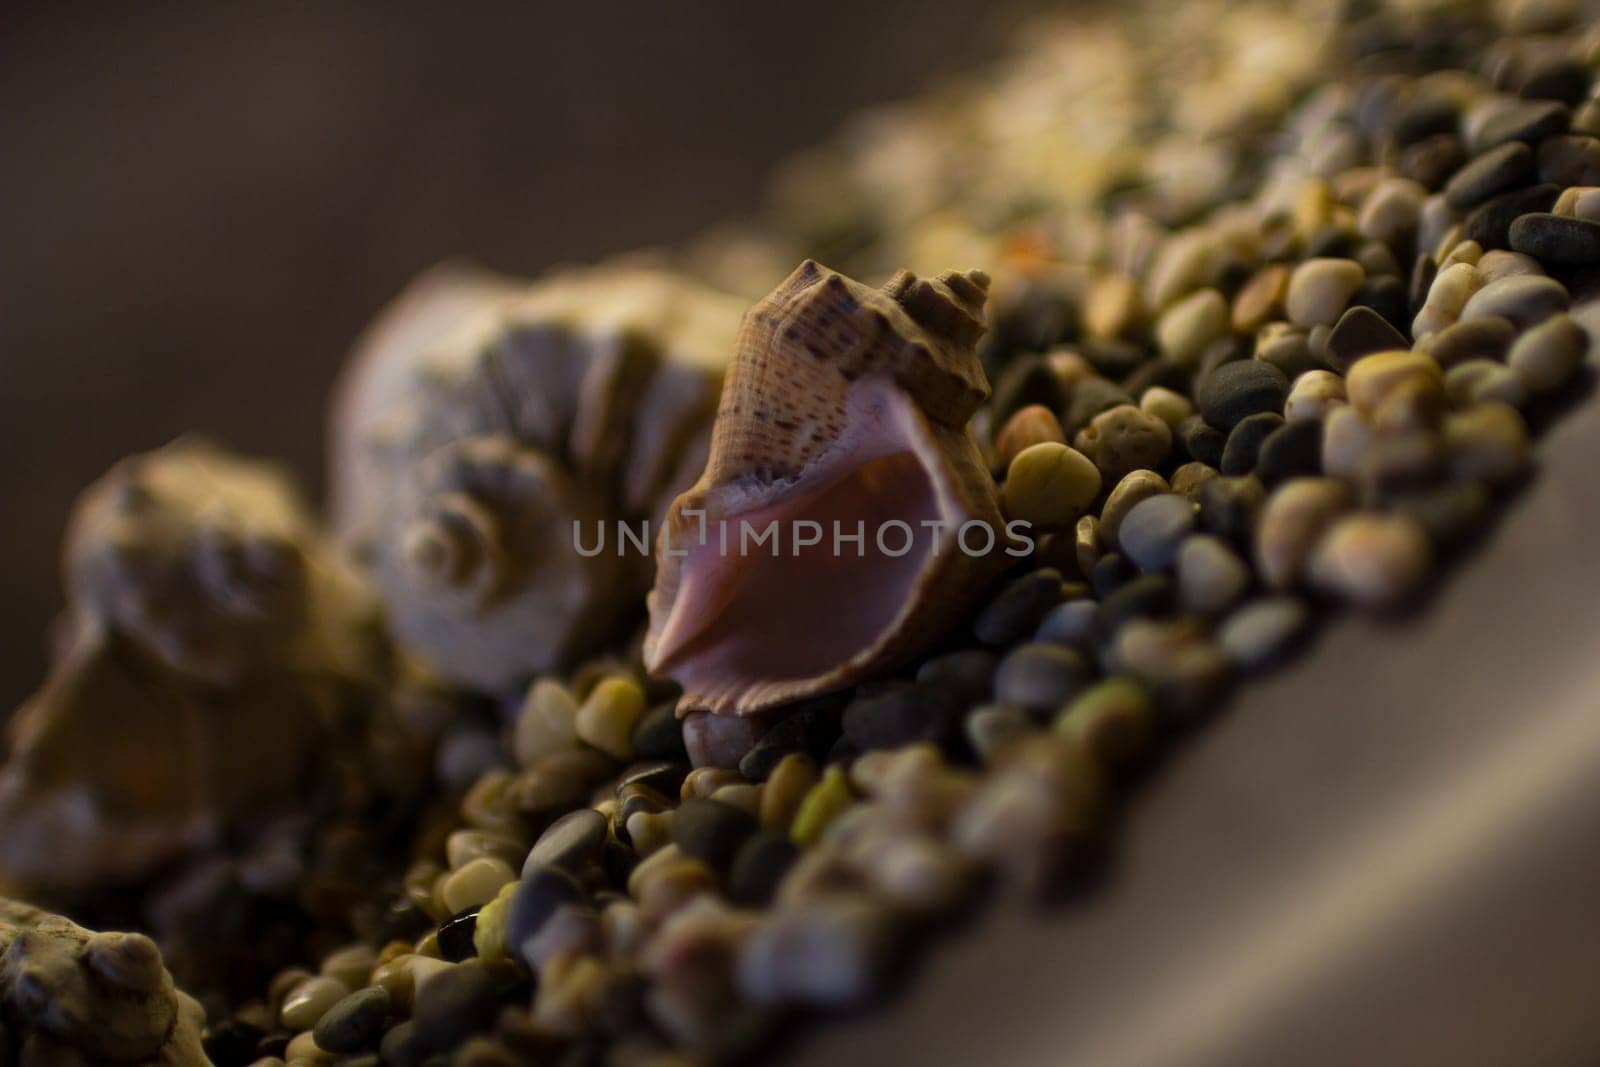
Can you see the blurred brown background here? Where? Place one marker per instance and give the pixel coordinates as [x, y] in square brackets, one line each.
[201, 204]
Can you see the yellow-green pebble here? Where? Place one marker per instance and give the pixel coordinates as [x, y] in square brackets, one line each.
[489, 930]
[545, 723]
[476, 883]
[786, 787]
[306, 1003]
[1112, 720]
[606, 718]
[1049, 485]
[826, 801]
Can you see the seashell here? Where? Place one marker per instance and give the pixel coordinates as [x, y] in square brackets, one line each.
[214, 636]
[69, 995]
[847, 405]
[486, 427]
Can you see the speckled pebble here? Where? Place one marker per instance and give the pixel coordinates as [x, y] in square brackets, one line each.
[1237, 390]
[1262, 632]
[1124, 439]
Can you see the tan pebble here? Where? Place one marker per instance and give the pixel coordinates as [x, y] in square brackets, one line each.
[786, 787]
[1464, 252]
[1390, 211]
[606, 718]
[649, 831]
[1086, 543]
[1447, 239]
[1319, 290]
[1260, 299]
[1547, 356]
[307, 1002]
[352, 964]
[1313, 208]
[1124, 439]
[1483, 381]
[1113, 307]
[464, 846]
[622, 929]
[1313, 394]
[1069, 367]
[1134, 487]
[743, 795]
[283, 983]
[1286, 347]
[1374, 561]
[475, 884]
[670, 886]
[428, 943]
[1292, 520]
[1587, 205]
[1448, 294]
[705, 781]
[1346, 439]
[1488, 443]
[545, 723]
[424, 969]
[1188, 326]
[397, 976]
[1567, 202]
[1166, 405]
[1417, 403]
[1179, 267]
[661, 857]
[1372, 378]
[1028, 426]
[1351, 186]
[1189, 479]
[303, 1051]
[1376, 259]
[1049, 485]
[1500, 263]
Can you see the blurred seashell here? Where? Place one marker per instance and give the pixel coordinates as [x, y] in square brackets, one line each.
[846, 405]
[482, 418]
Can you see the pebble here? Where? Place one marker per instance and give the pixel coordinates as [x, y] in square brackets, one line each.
[1313, 395]
[1201, 441]
[355, 1022]
[1490, 223]
[1112, 720]
[1374, 561]
[464, 846]
[1124, 439]
[1142, 596]
[1188, 326]
[1447, 295]
[1260, 299]
[1032, 425]
[307, 1001]
[1152, 530]
[1014, 612]
[1569, 161]
[1292, 520]
[539, 894]
[545, 724]
[1390, 211]
[1292, 450]
[1211, 576]
[1374, 377]
[758, 868]
[1050, 484]
[719, 740]
[1134, 488]
[968, 675]
[1433, 159]
[1041, 677]
[830, 952]
[1071, 623]
[1319, 290]
[825, 802]
[785, 788]
[1237, 390]
[1531, 121]
[808, 728]
[1479, 338]
[1361, 331]
[1483, 381]
[1488, 443]
[1526, 300]
[896, 713]
[1090, 397]
[573, 843]
[606, 717]
[1262, 632]
[711, 831]
[1346, 439]
[1183, 669]
[401, 1047]
[1503, 263]
[1287, 348]
[1557, 239]
[1086, 543]
[991, 727]
[1228, 506]
[1547, 357]
[475, 884]
[1112, 307]
[658, 735]
[1170, 407]
[1448, 513]
[457, 936]
[454, 1005]
[1187, 479]
[1245, 441]
[1489, 174]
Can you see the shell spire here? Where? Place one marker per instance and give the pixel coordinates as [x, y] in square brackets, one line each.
[846, 411]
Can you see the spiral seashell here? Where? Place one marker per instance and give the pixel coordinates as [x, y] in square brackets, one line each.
[482, 418]
[846, 405]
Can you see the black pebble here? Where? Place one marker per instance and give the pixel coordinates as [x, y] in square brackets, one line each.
[454, 1005]
[1359, 332]
[1432, 160]
[665, 776]
[1386, 295]
[1291, 450]
[1113, 359]
[1159, 371]
[455, 937]
[810, 728]
[1228, 507]
[1489, 174]
[541, 891]
[1244, 443]
[1109, 572]
[1531, 121]
[1424, 116]
[274, 1043]
[1147, 596]
[659, 734]
[1041, 677]
[968, 674]
[1330, 242]
[710, 830]
[1237, 390]
[572, 842]
[355, 1022]
[759, 866]
[1557, 238]
[1025, 380]
[1449, 513]
[401, 1047]
[1490, 223]
[1200, 440]
[1558, 78]
[1014, 612]
[1571, 160]
[896, 713]
[1090, 397]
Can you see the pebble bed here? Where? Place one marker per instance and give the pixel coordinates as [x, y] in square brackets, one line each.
[1262, 347]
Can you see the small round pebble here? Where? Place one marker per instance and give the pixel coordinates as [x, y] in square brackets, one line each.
[1491, 222]
[1374, 377]
[1320, 289]
[658, 734]
[1200, 440]
[1483, 381]
[1170, 407]
[1050, 484]
[1488, 443]
[545, 723]
[1040, 676]
[1032, 425]
[1549, 355]
[355, 1022]
[825, 802]
[1211, 576]
[1228, 506]
[475, 884]
[306, 1003]
[1070, 623]
[1260, 634]
[536, 897]
[1374, 561]
[1187, 327]
[1153, 529]
[1237, 390]
[1485, 337]
[1124, 439]
[991, 727]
